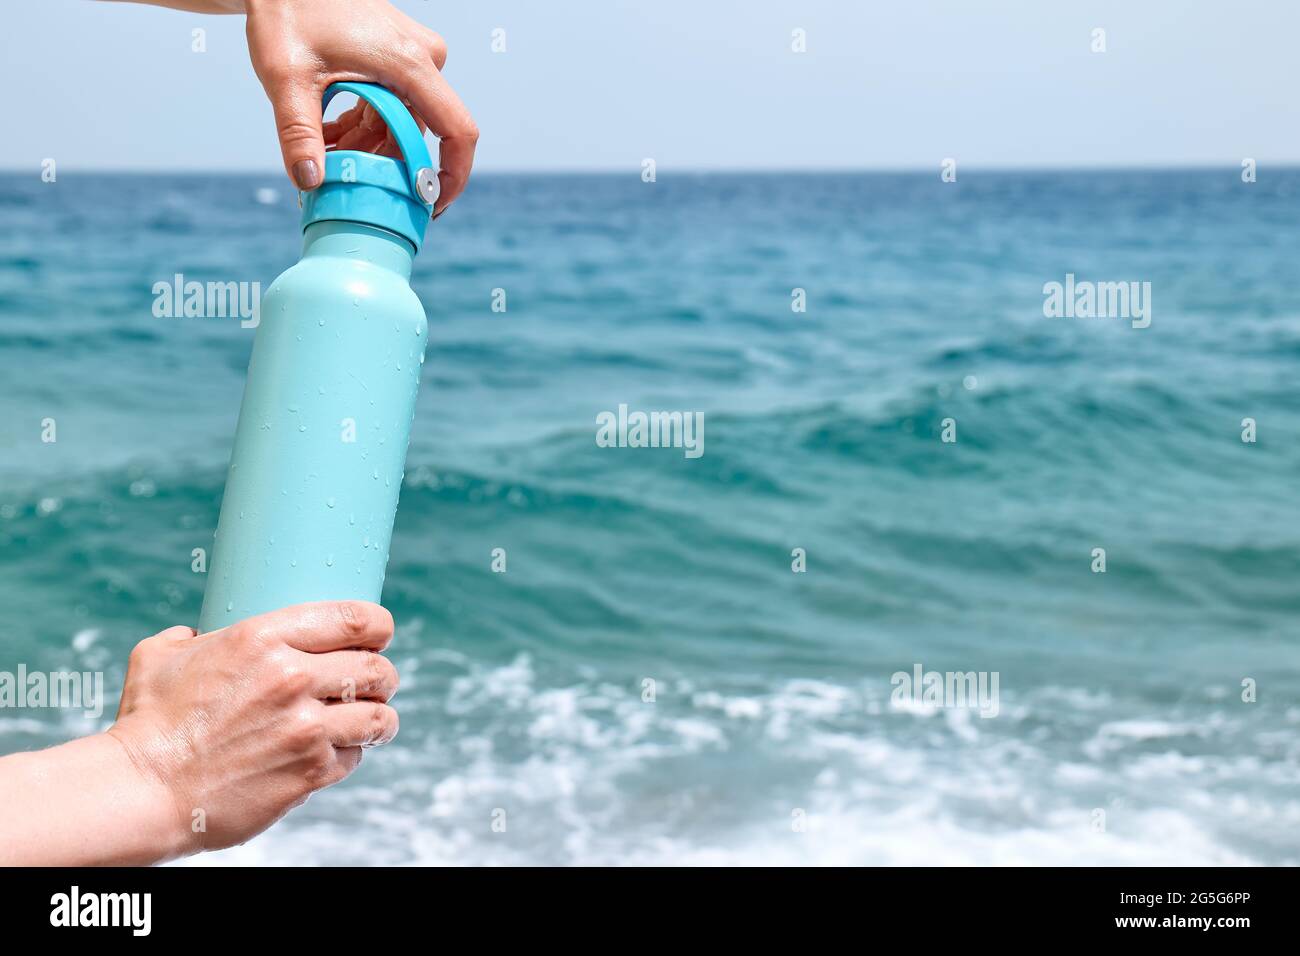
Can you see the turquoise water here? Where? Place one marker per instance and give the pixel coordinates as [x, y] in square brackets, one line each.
[523, 691]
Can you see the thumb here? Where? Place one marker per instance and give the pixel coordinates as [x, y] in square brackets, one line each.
[177, 632]
[298, 123]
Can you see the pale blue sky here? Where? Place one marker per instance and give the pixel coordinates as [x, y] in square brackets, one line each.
[703, 84]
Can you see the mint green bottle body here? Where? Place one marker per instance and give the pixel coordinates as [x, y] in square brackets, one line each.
[320, 448]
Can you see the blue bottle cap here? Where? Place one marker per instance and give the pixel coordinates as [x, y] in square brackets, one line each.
[377, 190]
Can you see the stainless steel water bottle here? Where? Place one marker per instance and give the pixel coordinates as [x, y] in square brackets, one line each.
[320, 448]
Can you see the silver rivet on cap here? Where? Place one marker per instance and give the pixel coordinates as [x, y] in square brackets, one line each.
[426, 184]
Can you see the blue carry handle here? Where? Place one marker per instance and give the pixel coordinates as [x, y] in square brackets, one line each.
[415, 151]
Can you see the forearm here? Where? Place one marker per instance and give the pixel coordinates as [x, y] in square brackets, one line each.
[195, 6]
[84, 804]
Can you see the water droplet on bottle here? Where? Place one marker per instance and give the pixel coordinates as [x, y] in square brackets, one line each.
[329, 502]
[293, 563]
[320, 322]
[352, 519]
[302, 428]
[375, 476]
[329, 561]
[230, 605]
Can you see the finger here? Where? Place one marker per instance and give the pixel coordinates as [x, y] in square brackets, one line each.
[440, 107]
[348, 117]
[369, 133]
[361, 724]
[436, 44]
[325, 626]
[298, 123]
[362, 128]
[366, 132]
[343, 123]
[365, 140]
[372, 121]
[351, 675]
[347, 759]
[341, 762]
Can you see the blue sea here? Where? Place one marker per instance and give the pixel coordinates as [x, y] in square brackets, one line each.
[650, 681]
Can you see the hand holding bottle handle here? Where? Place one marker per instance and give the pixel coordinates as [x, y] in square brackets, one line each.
[299, 48]
[402, 129]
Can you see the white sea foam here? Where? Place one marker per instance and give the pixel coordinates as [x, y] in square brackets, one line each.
[606, 778]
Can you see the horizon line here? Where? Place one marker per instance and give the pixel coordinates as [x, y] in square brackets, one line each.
[634, 169]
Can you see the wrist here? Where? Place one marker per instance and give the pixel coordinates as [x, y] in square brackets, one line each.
[146, 799]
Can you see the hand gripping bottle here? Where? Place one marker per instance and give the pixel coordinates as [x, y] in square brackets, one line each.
[321, 444]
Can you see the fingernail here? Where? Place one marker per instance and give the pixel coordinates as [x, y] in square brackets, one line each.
[306, 173]
[440, 212]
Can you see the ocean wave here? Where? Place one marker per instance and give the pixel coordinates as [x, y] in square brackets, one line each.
[590, 772]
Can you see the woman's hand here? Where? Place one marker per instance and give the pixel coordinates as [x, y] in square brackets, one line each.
[299, 47]
[218, 736]
[243, 724]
